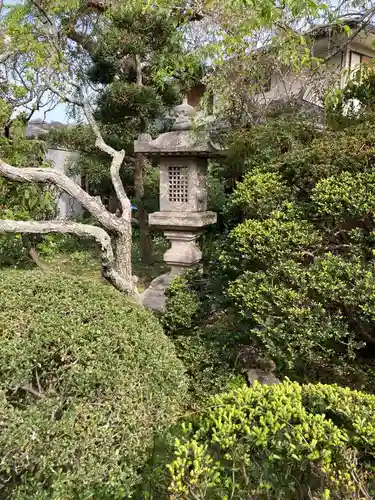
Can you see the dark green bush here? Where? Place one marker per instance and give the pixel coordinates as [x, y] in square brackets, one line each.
[22, 201]
[295, 268]
[205, 347]
[87, 377]
[279, 442]
[182, 306]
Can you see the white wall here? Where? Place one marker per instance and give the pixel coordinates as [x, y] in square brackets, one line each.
[62, 159]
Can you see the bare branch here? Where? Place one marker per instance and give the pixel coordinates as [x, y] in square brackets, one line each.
[37, 260]
[5, 56]
[62, 181]
[62, 227]
[55, 39]
[31, 390]
[138, 67]
[64, 97]
[43, 12]
[117, 159]
[33, 254]
[341, 46]
[81, 40]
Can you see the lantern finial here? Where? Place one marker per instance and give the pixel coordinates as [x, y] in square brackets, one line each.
[184, 117]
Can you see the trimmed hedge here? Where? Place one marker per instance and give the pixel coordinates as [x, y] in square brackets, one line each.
[87, 377]
[285, 441]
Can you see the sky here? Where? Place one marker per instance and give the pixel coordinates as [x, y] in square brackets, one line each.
[56, 115]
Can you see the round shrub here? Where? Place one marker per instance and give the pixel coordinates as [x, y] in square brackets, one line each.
[87, 377]
[285, 441]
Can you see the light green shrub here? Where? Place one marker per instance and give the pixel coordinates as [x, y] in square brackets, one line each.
[278, 442]
[87, 377]
[261, 193]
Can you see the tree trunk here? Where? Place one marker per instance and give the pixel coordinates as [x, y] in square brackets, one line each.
[116, 230]
[122, 249]
[144, 233]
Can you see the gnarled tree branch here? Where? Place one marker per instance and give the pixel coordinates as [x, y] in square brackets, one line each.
[117, 156]
[117, 159]
[62, 181]
[107, 257]
[116, 259]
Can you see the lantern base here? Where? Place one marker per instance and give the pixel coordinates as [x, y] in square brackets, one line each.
[184, 253]
[154, 297]
[182, 229]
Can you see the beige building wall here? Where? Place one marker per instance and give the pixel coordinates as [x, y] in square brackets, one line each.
[308, 87]
[61, 160]
[343, 64]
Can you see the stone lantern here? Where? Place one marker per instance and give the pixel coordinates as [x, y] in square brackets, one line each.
[183, 215]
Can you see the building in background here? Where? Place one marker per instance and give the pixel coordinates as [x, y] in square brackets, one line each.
[342, 52]
[61, 160]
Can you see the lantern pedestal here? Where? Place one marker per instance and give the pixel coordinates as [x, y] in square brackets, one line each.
[182, 229]
[184, 251]
[154, 297]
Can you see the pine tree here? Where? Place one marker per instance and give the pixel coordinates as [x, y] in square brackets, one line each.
[140, 62]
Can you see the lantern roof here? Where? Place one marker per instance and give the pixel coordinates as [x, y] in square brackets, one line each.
[185, 138]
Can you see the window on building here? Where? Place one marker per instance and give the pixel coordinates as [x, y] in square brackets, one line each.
[357, 59]
[195, 97]
[195, 94]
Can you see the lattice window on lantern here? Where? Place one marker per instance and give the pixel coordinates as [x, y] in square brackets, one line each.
[178, 184]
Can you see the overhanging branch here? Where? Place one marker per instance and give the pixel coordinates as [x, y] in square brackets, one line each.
[86, 230]
[62, 181]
